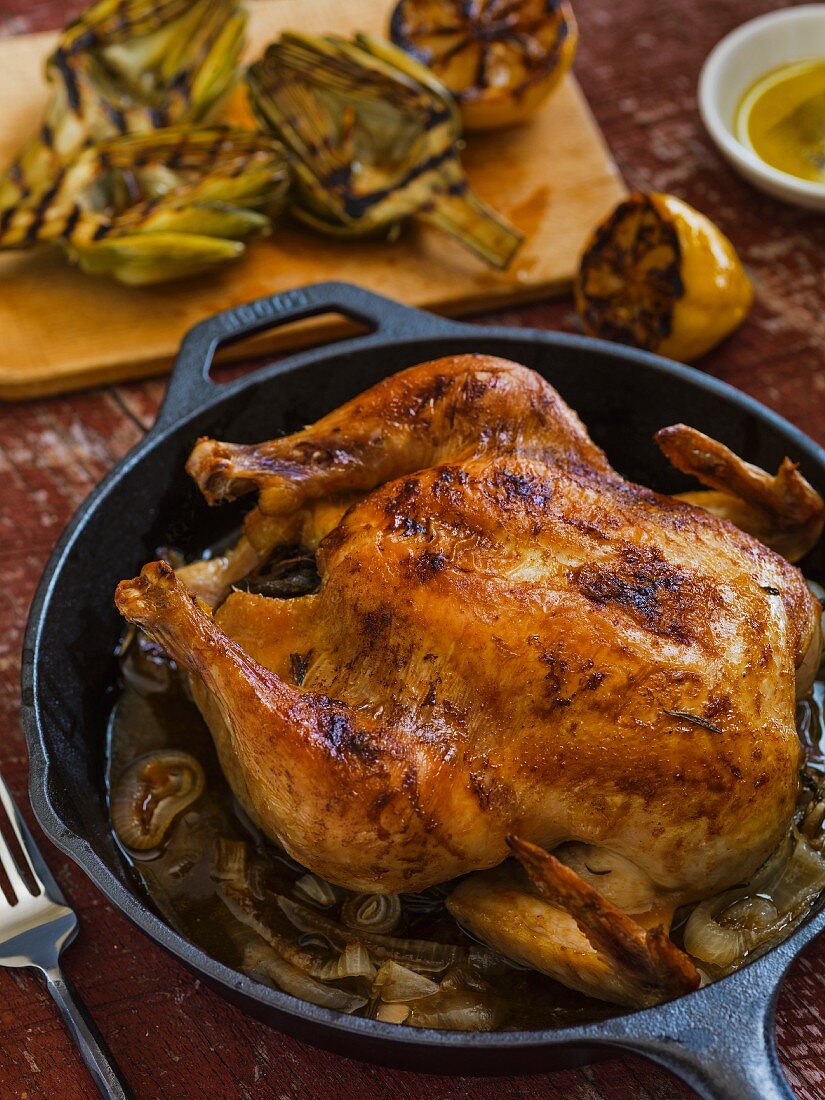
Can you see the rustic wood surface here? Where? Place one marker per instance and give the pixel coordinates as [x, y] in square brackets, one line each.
[423, 267]
[638, 64]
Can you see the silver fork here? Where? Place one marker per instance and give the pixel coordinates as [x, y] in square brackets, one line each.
[34, 930]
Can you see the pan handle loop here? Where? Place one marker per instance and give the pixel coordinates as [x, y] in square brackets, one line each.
[721, 1040]
[190, 386]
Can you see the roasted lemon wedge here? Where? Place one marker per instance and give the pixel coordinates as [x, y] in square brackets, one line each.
[500, 58]
[659, 275]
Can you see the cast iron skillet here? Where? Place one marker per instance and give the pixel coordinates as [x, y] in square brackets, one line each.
[719, 1039]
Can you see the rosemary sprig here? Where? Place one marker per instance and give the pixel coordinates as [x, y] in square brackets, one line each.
[694, 719]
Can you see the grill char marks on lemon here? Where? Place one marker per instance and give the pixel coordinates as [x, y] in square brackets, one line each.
[629, 281]
[500, 58]
[658, 275]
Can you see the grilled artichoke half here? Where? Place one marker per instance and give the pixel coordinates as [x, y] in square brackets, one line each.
[125, 66]
[374, 137]
[146, 208]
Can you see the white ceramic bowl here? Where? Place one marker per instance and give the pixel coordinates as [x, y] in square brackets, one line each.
[734, 64]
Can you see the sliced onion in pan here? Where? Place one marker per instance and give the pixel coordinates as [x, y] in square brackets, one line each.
[151, 793]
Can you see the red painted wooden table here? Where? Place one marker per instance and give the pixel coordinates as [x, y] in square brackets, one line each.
[638, 64]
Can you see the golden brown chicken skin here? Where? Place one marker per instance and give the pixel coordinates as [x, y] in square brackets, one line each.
[508, 638]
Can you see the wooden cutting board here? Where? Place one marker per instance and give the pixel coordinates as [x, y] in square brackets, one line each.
[553, 177]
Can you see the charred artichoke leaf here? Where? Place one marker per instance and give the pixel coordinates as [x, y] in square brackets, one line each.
[150, 207]
[374, 137]
[126, 66]
[137, 259]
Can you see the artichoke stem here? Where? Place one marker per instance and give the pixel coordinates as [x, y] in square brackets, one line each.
[464, 216]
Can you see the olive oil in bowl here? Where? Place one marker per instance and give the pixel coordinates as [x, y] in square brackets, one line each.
[781, 118]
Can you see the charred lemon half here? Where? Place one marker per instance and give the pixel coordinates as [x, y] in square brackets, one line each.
[500, 58]
[659, 275]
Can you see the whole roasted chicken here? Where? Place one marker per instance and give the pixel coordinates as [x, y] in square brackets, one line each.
[512, 650]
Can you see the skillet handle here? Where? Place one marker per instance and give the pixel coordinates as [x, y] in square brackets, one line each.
[190, 386]
[720, 1040]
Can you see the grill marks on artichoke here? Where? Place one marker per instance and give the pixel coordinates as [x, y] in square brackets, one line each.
[630, 277]
[306, 128]
[374, 139]
[117, 21]
[374, 135]
[117, 186]
[125, 66]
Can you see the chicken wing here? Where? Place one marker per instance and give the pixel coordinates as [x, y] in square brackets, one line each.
[783, 511]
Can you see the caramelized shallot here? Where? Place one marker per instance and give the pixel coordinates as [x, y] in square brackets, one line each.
[372, 912]
[456, 1010]
[264, 964]
[231, 860]
[253, 915]
[422, 955]
[398, 984]
[316, 890]
[392, 1014]
[151, 793]
[354, 962]
[723, 931]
